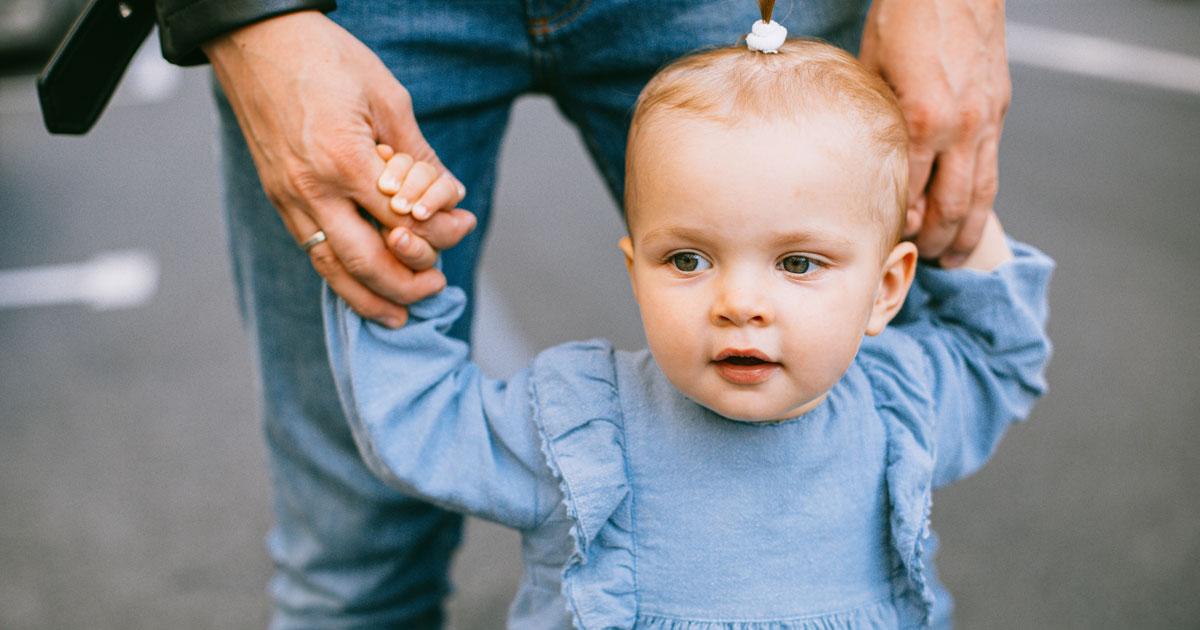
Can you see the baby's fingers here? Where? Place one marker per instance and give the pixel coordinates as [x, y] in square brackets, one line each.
[394, 172]
[411, 250]
[443, 194]
[416, 182]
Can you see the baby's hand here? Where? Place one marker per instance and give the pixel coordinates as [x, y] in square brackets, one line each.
[415, 186]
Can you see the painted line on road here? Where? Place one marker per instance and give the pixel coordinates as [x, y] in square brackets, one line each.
[111, 280]
[1101, 58]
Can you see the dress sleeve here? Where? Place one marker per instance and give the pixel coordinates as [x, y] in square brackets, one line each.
[429, 423]
[978, 339]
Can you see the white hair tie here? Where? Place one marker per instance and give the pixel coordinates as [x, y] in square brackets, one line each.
[766, 36]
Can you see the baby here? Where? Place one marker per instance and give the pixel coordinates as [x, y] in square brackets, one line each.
[768, 461]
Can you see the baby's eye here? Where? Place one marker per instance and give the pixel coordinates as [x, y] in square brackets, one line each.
[689, 262]
[796, 264]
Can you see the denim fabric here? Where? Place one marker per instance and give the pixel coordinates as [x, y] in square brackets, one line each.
[348, 550]
[640, 508]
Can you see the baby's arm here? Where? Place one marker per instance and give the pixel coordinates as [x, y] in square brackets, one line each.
[428, 422]
[981, 343]
[992, 250]
[425, 418]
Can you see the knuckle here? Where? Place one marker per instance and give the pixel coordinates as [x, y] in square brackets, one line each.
[323, 260]
[401, 96]
[360, 267]
[971, 118]
[339, 157]
[303, 183]
[951, 211]
[987, 187]
[925, 120]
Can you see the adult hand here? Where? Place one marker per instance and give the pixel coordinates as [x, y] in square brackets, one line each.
[947, 63]
[313, 102]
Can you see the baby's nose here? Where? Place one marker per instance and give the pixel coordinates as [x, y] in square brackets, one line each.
[741, 304]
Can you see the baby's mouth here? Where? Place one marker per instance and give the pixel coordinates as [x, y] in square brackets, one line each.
[736, 360]
[744, 367]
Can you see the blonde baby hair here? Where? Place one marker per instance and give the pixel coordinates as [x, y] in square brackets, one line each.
[807, 77]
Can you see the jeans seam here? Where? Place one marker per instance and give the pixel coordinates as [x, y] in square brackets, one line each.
[543, 26]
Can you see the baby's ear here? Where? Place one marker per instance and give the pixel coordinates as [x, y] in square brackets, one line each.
[897, 276]
[626, 247]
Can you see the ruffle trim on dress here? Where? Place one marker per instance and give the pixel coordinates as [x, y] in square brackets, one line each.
[578, 415]
[877, 616]
[907, 412]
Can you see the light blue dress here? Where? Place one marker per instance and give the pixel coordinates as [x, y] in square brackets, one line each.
[640, 508]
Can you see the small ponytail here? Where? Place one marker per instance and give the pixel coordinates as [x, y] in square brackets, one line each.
[766, 8]
[766, 35]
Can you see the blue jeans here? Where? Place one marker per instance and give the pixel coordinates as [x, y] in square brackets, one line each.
[348, 550]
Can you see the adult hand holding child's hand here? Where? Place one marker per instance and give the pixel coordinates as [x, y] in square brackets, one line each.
[419, 193]
[312, 102]
[947, 63]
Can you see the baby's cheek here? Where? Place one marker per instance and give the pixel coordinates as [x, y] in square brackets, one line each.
[822, 352]
[673, 333]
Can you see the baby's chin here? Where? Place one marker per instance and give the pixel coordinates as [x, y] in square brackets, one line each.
[753, 409]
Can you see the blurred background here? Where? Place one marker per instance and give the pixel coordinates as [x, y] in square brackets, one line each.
[133, 488]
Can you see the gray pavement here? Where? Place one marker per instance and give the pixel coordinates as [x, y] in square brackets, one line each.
[133, 490]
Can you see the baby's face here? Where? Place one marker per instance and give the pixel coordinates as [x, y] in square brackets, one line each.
[756, 260]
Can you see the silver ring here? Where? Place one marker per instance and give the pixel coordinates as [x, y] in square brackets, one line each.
[313, 241]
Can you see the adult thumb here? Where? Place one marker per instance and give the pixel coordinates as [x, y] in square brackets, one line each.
[396, 124]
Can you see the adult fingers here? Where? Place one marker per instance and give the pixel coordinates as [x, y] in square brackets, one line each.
[391, 108]
[364, 301]
[920, 162]
[364, 256]
[444, 229]
[983, 197]
[410, 245]
[357, 167]
[394, 125]
[949, 200]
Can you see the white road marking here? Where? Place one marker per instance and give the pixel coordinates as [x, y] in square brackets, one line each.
[112, 280]
[1101, 58]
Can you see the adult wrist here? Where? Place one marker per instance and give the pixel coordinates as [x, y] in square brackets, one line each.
[186, 27]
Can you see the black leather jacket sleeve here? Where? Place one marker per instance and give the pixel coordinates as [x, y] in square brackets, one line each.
[185, 24]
